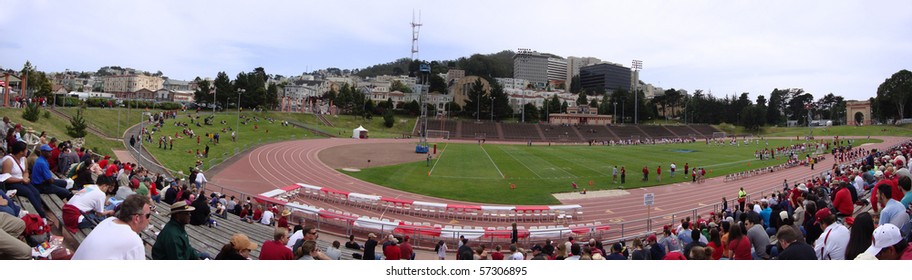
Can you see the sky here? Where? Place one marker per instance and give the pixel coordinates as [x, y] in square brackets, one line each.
[727, 47]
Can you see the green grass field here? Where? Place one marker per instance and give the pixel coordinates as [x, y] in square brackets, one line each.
[471, 172]
[843, 130]
[56, 127]
[183, 154]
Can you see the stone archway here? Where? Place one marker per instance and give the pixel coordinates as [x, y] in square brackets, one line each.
[858, 112]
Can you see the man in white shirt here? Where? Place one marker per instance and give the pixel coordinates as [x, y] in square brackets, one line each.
[200, 179]
[516, 255]
[832, 243]
[859, 184]
[116, 238]
[267, 216]
[87, 206]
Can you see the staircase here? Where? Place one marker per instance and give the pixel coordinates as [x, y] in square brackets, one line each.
[325, 121]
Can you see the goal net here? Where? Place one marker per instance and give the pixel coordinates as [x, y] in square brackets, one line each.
[634, 137]
[718, 135]
[481, 135]
[563, 138]
[444, 134]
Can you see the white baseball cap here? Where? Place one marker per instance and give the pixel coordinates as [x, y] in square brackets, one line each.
[884, 236]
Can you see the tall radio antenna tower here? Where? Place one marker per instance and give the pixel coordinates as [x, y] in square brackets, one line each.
[416, 26]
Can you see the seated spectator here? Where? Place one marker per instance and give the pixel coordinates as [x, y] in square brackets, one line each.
[245, 216]
[307, 251]
[497, 255]
[334, 253]
[42, 178]
[233, 206]
[351, 244]
[87, 207]
[267, 218]
[200, 216]
[8, 206]
[117, 238]
[298, 235]
[257, 214]
[392, 251]
[405, 249]
[616, 252]
[835, 237]
[282, 222]
[172, 242]
[793, 246]
[892, 212]
[237, 249]
[220, 211]
[275, 249]
[888, 245]
[16, 165]
[11, 248]
[124, 191]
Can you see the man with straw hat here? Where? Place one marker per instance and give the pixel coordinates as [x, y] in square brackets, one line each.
[172, 242]
[282, 222]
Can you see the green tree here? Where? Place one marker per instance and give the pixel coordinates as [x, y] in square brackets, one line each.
[775, 109]
[413, 108]
[575, 85]
[594, 103]
[437, 84]
[752, 117]
[604, 107]
[223, 89]
[77, 127]
[203, 92]
[581, 99]
[531, 112]
[897, 90]
[388, 119]
[397, 85]
[475, 99]
[31, 112]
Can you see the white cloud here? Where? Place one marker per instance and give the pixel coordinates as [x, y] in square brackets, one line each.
[844, 47]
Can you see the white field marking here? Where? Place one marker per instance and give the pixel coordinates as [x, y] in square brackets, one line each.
[523, 164]
[492, 162]
[438, 158]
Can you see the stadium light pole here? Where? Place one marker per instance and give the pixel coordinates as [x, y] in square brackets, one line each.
[237, 121]
[492, 109]
[637, 65]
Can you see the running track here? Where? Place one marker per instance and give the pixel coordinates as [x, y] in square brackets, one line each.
[281, 164]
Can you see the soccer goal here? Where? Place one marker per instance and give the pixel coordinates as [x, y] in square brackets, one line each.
[481, 135]
[634, 137]
[563, 138]
[719, 135]
[444, 134]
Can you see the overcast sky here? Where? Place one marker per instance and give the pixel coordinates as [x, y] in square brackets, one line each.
[844, 47]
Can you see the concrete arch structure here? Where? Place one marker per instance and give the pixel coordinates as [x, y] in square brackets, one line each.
[854, 108]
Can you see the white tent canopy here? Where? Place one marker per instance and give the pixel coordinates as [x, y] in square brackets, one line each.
[359, 132]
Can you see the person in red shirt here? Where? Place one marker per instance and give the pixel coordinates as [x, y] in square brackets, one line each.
[283, 221]
[275, 249]
[258, 213]
[645, 173]
[392, 251]
[659, 173]
[104, 162]
[843, 201]
[738, 244]
[497, 255]
[405, 249]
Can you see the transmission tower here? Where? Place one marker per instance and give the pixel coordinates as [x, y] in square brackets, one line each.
[416, 26]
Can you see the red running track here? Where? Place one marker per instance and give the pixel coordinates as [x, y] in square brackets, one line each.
[280, 164]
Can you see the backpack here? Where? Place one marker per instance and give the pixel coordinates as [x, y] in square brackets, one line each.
[36, 231]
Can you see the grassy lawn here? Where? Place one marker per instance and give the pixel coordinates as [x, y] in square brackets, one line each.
[344, 125]
[251, 134]
[843, 130]
[56, 127]
[106, 119]
[465, 171]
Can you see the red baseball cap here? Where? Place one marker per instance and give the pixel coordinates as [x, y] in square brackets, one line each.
[822, 213]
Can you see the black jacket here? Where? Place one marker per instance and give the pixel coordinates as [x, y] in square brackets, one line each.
[798, 251]
[200, 215]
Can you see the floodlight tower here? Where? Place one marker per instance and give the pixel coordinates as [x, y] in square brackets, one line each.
[637, 65]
